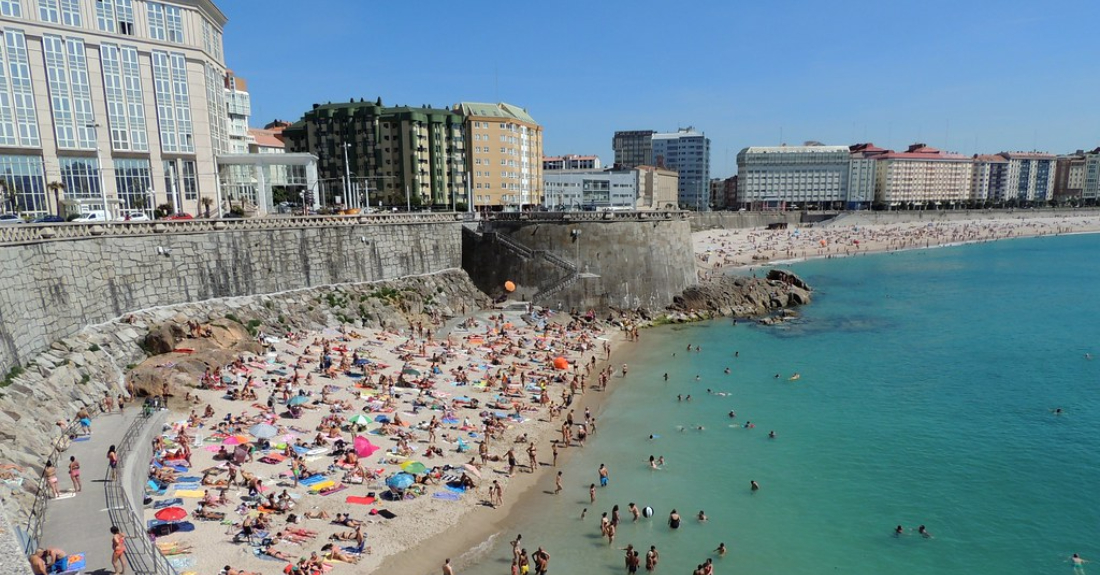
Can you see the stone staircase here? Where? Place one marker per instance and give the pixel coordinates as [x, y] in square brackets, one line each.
[572, 271]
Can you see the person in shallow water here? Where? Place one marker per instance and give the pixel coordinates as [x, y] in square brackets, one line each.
[674, 520]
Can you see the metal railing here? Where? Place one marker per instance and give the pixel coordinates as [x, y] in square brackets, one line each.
[33, 233]
[616, 216]
[143, 555]
[36, 519]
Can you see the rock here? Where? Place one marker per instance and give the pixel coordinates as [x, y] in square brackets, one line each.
[743, 297]
[160, 339]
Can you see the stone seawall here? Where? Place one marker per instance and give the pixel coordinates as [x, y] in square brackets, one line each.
[624, 261]
[56, 280]
[703, 221]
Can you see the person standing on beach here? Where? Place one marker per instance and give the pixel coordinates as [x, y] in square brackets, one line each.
[603, 475]
[592, 493]
[532, 457]
[511, 457]
[554, 452]
[447, 569]
[542, 561]
[557, 484]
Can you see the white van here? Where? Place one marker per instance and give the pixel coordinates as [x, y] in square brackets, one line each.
[133, 216]
[93, 216]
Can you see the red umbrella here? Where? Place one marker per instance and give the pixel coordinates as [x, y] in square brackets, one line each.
[363, 446]
[171, 514]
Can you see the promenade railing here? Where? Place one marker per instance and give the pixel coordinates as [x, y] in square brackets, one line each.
[36, 519]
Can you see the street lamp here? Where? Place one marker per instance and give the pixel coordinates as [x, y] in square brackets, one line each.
[347, 170]
[99, 160]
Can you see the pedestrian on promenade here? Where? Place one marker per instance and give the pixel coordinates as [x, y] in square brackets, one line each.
[51, 477]
[74, 473]
[112, 464]
[118, 549]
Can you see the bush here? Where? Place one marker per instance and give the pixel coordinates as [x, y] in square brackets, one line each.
[16, 371]
[233, 317]
[94, 347]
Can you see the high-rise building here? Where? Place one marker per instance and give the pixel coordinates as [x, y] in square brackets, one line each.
[633, 148]
[989, 181]
[1069, 176]
[1030, 176]
[687, 152]
[503, 155]
[121, 101]
[392, 156]
[788, 176]
[1091, 190]
[922, 175]
[571, 162]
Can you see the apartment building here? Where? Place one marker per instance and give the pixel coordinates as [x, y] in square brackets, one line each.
[922, 175]
[989, 181]
[687, 152]
[571, 162]
[121, 101]
[633, 148]
[503, 155]
[789, 176]
[391, 156]
[1030, 176]
[658, 188]
[1069, 176]
[590, 189]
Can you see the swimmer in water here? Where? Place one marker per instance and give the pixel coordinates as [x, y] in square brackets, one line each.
[749, 425]
[899, 531]
[1077, 560]
[666, 377]
[727, 371]
[754, 485]
[777, 376]
[1057, 411]
[702, 516]
[795, 377]
[771, 435]
[733, 414]
[721, 550]
[652, 462]
[661, 461]
[924, 532]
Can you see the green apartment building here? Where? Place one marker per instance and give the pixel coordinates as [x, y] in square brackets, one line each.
[391, 151]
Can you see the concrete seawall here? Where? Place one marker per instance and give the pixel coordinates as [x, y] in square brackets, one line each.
[73, 275]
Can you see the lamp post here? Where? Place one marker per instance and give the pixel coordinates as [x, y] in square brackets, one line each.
[99, 160]
[347, 169]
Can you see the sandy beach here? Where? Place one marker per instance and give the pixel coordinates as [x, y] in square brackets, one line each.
[501, 361]
[721, 249]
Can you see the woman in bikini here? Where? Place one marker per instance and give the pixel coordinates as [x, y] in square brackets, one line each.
[51, 478]
[112, 464]
[118, 549]
[74, 472]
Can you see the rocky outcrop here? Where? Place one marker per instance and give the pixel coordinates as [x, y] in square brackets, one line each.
[741, 297]
[78, 370]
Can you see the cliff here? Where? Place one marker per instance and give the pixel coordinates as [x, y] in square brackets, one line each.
[741, 296]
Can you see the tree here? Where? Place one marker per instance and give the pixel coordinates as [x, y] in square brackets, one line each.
[56, 188]
[206, 202]
[163, 211]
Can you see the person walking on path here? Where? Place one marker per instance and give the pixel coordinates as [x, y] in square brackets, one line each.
[112, 464]
[74, 473]
[118, 550]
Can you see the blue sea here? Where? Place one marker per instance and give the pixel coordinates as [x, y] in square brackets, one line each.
[928, 381]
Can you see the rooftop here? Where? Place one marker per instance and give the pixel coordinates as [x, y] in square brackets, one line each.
[266, 138]
[796, 149]
[499, 110]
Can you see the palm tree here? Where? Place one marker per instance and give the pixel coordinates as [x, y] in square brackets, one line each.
[56, 187]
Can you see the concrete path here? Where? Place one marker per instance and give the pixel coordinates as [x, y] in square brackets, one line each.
[79, 523]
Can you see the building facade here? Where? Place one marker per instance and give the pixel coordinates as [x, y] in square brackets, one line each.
[1069, 176]
[590, 189]
[922, 175]
[633, 148]
[120, 101]
[1030, 176]
[389, 156]
[658, 188]
[989, 180]
[687, 152]
[789, 176]
[571, 162]
[723, 193]
[503, 155]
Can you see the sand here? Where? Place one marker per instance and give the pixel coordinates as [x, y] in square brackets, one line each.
[408, 542]
[716, 250]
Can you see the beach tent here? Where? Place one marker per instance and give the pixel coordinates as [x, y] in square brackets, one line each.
[363, 446]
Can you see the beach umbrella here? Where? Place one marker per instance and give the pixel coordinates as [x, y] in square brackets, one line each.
[171, 514]
[363, 446]
[410, 371]
[263, 431]
[231, 440]
[400, 481]
[359, 419]
[472, 469]
[509, 286]
[414, 467]
[381, 419]
[298, 400]
[561, 363]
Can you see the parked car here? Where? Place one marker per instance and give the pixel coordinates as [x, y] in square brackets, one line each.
[93, 216]
[50, 219]
[133, 216]
[9, 219]
[179, 216]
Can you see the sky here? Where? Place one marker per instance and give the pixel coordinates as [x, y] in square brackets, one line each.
[969, 76]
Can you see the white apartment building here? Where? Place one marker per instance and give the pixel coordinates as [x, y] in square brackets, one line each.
[590, 189]
[687, 152]
[788, 176]
[121, 101]
[920, 175]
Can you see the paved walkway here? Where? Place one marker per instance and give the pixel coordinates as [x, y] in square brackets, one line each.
[79, 523]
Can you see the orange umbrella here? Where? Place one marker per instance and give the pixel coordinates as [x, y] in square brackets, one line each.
[561, 363]
[509, 286]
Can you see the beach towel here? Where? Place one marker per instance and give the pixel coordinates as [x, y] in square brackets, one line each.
[182, 562]
[168, 503]
[387, 513]
[445, 495]
[192, 493]
[359, 500]
[74, 563]
[321, 485]
[332, 490]
[188, 479]
[82, 438]
[455, 488]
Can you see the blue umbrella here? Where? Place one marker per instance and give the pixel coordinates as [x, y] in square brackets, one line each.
[400, 481]
[298, 400]
[382, 419]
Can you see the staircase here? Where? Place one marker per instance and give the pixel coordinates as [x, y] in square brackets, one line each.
[572, 272]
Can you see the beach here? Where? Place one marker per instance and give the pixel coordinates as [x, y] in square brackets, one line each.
[716, 250]
[503, 360]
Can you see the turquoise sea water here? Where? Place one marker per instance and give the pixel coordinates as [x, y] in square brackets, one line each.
[927, 384]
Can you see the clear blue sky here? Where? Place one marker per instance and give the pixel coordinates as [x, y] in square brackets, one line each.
[966, 76]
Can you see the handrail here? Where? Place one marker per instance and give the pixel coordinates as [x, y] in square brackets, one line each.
[36, 519]
[34, 233]
[143, 555]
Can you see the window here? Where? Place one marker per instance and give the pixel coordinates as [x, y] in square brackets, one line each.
[155, 13]
[115, 16]
[134, 183]
[23, 189]
[173, 102]
[11, 8]
[80, 176]
[70, 13]
[174, 21]
[70, 92]
[18, 121]
[125, 106]
[47, 11]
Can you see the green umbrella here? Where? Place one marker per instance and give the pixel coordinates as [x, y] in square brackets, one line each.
[359, 419]
[414, 467]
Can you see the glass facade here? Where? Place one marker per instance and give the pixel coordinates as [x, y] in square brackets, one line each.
[134, 182]
[80, 176]
[18, 122]
[70, 92]
[173, 102]
[23, 185]
[125, 106]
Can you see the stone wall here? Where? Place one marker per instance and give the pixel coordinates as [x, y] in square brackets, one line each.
[66, 277]
[634, 260]
[702, 221]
